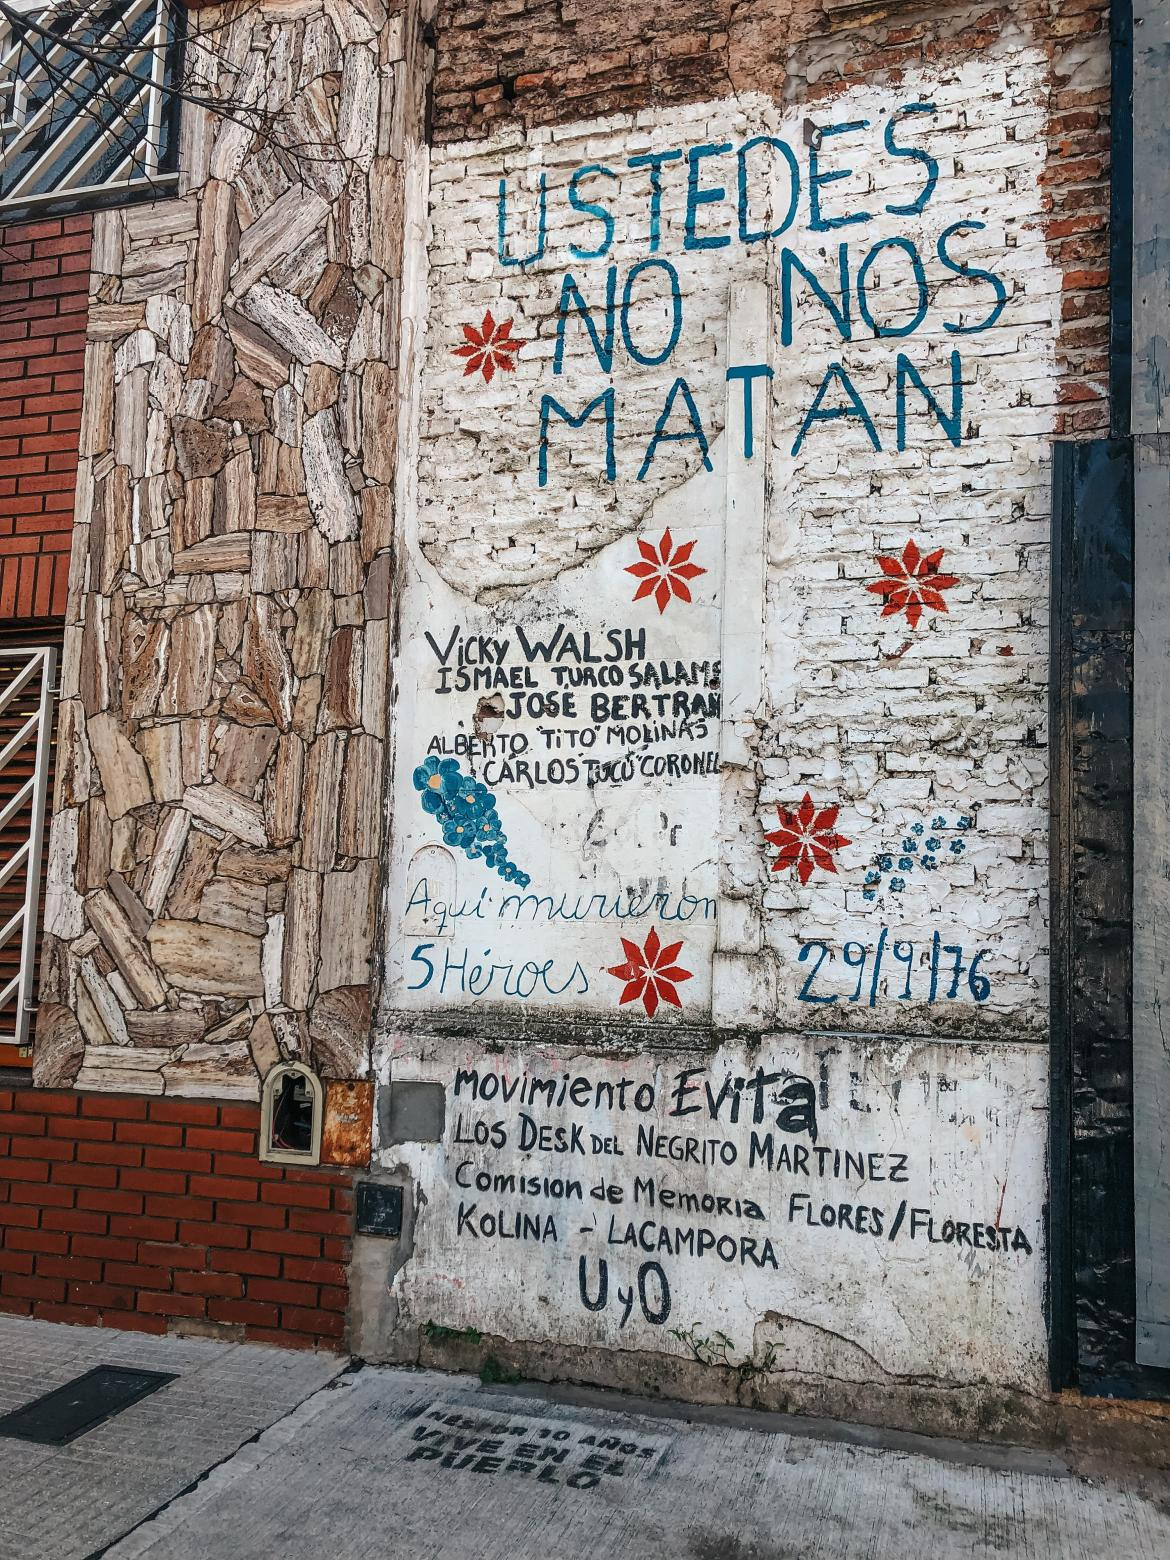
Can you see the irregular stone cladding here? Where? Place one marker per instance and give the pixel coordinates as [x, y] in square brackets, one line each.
[218, 820]
[153, 1215]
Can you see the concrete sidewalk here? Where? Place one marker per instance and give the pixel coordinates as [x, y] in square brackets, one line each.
[383, 1464]
[68, 1502]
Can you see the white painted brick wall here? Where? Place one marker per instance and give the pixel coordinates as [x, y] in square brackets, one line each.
[897, 725]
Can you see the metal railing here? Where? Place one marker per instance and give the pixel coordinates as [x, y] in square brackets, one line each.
[85, 105]
[26, 732]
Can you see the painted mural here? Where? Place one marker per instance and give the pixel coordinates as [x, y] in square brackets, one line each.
[721, 702]
[646, 350]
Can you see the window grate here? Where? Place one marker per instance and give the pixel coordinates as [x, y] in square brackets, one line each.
[26, 735]
[85, 99]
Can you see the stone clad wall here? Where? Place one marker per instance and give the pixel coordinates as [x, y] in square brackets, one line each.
[217, 830]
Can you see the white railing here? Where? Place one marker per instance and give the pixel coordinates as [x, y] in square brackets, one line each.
[26, 731]
[84, 99]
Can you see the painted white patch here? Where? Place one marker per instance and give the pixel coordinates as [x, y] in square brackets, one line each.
[924, 729]
[869, 1210]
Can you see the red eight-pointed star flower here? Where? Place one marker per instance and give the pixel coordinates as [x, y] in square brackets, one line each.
[650, 973]
[912, 582]
[490, 347]
[806, 838]
[664, 570]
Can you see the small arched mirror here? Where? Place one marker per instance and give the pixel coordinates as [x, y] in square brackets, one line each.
[291, 1109]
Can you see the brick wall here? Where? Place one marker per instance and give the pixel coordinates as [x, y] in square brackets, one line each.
[154, 1215]
[537, 63]
[44, 291]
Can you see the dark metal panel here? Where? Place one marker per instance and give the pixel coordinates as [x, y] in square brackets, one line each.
[62, 1415]
[379, 1209]
[1151, 897]
[1092, 1284]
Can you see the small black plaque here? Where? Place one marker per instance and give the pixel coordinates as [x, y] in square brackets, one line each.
[379, 1209]
[69, 1411]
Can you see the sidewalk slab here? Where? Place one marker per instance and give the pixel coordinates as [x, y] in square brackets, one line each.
[393, 1464]
[68, 1502]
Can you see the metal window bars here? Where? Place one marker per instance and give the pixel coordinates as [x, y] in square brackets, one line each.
[26, 738]
[85, 100]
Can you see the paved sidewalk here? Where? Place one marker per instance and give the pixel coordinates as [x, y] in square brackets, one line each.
[67, 1502]
[381, 1464]
[404, 1465]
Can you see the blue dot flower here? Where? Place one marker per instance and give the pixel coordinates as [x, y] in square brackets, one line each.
[466, 812]
[873, 877]
[916, 828]
[933, 843]
[965, 822]
[938, 823]
[930, 863]
[437, 776]
[869, 893]
[886, 863]
[897, 884]
[909, 844]
[957, 847]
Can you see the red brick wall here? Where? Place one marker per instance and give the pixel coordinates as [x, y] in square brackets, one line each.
[149, 1214]
[44, 295]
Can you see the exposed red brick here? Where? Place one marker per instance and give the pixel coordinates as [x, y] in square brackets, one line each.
[76, 1129]
[134, 1321]
[119, 1107]
[286, 1242]
[294, 1196]
[75, 1220]
[261, 1314]
[149, 1132]
[240, 1116]
[134, 1232]
[185, 1113]
[42, 366]
[260, 1263]
[170, 1254]
[221, 1139]
[143, 1226]
[314, 1271]
[287, 1340]
[45, 1104]
[322, 1324]
[224, 1286]
[193, 1233]
[78, 1315]
[109, 1153]
[171, 1304]
[283, 1291]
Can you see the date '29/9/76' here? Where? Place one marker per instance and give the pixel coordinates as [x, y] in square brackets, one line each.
[950, 972]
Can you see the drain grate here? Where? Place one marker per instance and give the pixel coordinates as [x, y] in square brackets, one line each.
[69, 1411]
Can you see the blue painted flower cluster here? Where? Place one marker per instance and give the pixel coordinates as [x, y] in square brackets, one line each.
[918, 849]
[466, 810]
